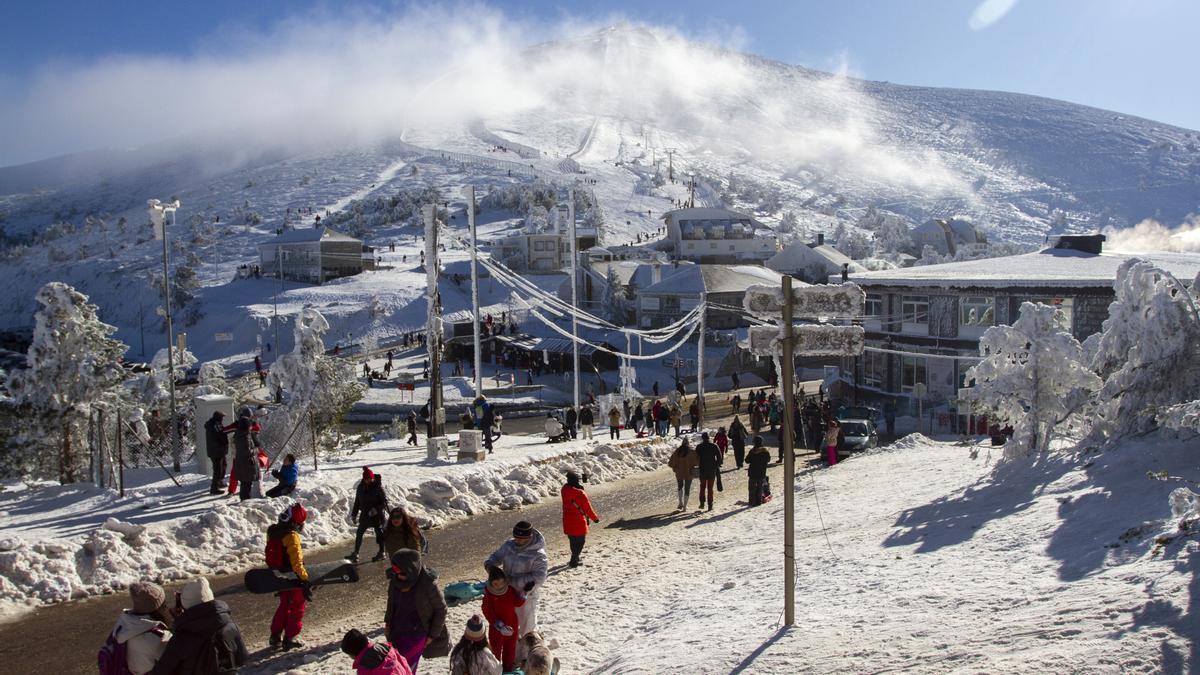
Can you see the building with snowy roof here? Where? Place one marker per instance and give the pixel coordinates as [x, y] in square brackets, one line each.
[678, 293]
[712, 235]
[948, 236]
[312, 255]
[813, 263]
[937, 313]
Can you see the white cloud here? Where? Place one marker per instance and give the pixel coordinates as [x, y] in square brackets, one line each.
[989, 12]
[1150, 235]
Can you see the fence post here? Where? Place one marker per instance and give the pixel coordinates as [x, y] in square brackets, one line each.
[98, 453]
[92, 447]
[120, 456]
[312, 427]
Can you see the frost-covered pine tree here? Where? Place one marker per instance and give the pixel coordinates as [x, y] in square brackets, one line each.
[72, 365]
[1033, 375]
[1148, 351]
[212, 379]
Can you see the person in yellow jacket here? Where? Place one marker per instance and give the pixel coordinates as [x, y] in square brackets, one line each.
[285, 554]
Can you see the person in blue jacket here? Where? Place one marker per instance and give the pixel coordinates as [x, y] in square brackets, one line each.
[288, 474]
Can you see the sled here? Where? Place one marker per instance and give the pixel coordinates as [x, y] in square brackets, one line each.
[463, 591]
[271, 581]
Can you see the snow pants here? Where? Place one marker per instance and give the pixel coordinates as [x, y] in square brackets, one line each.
[614, 432]
[831, 454]
[577, 542]
[755, 495]
[739, 453]
[363, 526]
[527, 614]
[587, 431]
[219, 467]
[504, 647]
[289, 617]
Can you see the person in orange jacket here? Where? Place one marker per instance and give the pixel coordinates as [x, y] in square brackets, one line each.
[284, 553]
[577, 511]
[500, 603]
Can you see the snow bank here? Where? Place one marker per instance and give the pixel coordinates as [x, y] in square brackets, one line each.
[219, 535]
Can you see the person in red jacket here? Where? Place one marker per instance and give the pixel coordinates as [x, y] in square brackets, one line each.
[577, 511]
[500, 603]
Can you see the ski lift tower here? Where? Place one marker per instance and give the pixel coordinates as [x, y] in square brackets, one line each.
[158, 216]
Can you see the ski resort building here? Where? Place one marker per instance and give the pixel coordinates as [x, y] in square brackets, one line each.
[813, 263]
[313, 255]
[668, 300]
[709, 235]
[936, 314]
[546, 249]
[948, 236]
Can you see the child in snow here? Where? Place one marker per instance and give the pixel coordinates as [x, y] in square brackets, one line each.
[373, 658]
[500, 604]
[143, 629]
[287, 475]
[284, 553]
[471, 655]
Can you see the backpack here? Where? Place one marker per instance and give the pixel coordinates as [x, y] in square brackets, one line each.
[275, 555]
[113, 657]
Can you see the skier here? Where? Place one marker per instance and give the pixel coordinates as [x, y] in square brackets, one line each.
[204, 638]
[370, 505]
[471, 656]
[218, 450]
[415, 618]
[246, 469]
[141, 630]
[708, 456]
[737, 437]
[412, 428]
[684, 463]
[577, 511]
[614, 423]
[288, 475]
[523, 559]
[500, 605]
[756, 467]
[373, 658]
[284, 553]
[402, 531]
[586, 421]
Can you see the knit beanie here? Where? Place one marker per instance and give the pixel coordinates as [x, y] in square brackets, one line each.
[368, 474]
[147, 596]
[354, 642]
[197, 591]
[523, 529]
[474, 629]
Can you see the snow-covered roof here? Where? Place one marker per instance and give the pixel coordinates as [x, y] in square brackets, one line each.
[1048, 267]
[623, 269]
[714, 279]
[562, 346]
[799, 255]
[309, 234]
[705, 213]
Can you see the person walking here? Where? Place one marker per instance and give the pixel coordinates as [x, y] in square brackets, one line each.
[676, 419]
[736, 403]
[523, 560]
[889, 417]
[218, 450]
[694, 414]
[486, 412]
[143, 630]
[684, 463]
[245, 460]
[572, 418]
[402, 531]
[285, 553]
[586, 421]
[756, 419]
[639, 418]
[656, 415]
[412, 429]
[832, 431]
[614, 423]
[737, 438]
[370, 505]
[577, 511]
[722, 441]
[500, 605]
[204, 637]
[708, 458]
[415, 618]
[656, 388]
[736, 381]
[471, 656]
[756, 468]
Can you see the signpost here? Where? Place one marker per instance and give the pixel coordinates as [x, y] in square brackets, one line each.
[226, 337]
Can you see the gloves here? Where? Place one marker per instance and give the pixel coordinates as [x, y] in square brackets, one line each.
[529, 586]
[595, 520]
[503, 628]
[308, 592]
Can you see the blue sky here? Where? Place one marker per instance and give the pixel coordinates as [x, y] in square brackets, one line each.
[1135, 57]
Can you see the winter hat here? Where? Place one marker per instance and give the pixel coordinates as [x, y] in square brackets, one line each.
[368, 475]
[523, 529]
[474, 629]
[408, 562]
[354, 642]
[295, 513]
[197, 591]
[496, 574]
[704, 436]
[147, 596]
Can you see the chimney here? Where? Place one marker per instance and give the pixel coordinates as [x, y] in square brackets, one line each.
[655, 273]
[1087, 243]
[845, 272]
[820, 239]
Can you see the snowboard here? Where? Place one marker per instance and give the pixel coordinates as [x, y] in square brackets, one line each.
[271, 581]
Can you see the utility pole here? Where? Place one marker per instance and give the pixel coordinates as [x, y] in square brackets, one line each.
[475, 290]
[670, 163]
[788, 368]
[692, 198]
[158, 215]
[574, 292]
[700, 361]
[433, 329]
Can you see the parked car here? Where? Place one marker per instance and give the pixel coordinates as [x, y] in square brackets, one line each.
[857, 412]
[857, 435]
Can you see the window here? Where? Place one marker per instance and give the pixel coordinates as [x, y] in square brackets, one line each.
[977, 311]
[915, 309]
[874, 306]
[732, 247]
[912, 371]
[539, 245]
[874, 367]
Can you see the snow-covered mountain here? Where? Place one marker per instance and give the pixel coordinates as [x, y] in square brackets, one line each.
[610, 105]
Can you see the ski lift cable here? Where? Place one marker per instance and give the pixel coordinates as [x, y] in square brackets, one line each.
[634, 357]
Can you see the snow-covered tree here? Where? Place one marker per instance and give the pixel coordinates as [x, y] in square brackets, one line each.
[72, 365]
[1033, 375]
[788, 223]
[1148, 351]
[212, 379]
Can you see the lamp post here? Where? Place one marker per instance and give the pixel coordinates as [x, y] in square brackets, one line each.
[158, 216]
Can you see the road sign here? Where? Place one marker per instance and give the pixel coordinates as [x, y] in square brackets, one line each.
[226, 337]
[833, 301]
[810, 340]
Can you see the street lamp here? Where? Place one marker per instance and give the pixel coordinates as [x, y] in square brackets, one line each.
[158, 216]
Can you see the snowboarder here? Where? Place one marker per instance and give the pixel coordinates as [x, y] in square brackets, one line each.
[756, 467]
[577, 511]
[737, 438]
[288, 474]
[708, 457]
[586, 420]
[204, 638]
[402, 531]
[415, 618]
[373, 658]
[471, 656]
[140, 635]
[500, 604]
[684, 463]
[218, 450]
[370, 505]
[523, 559]
[284, 553]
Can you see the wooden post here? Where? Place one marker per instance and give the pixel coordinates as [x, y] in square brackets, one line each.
[120, 454]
